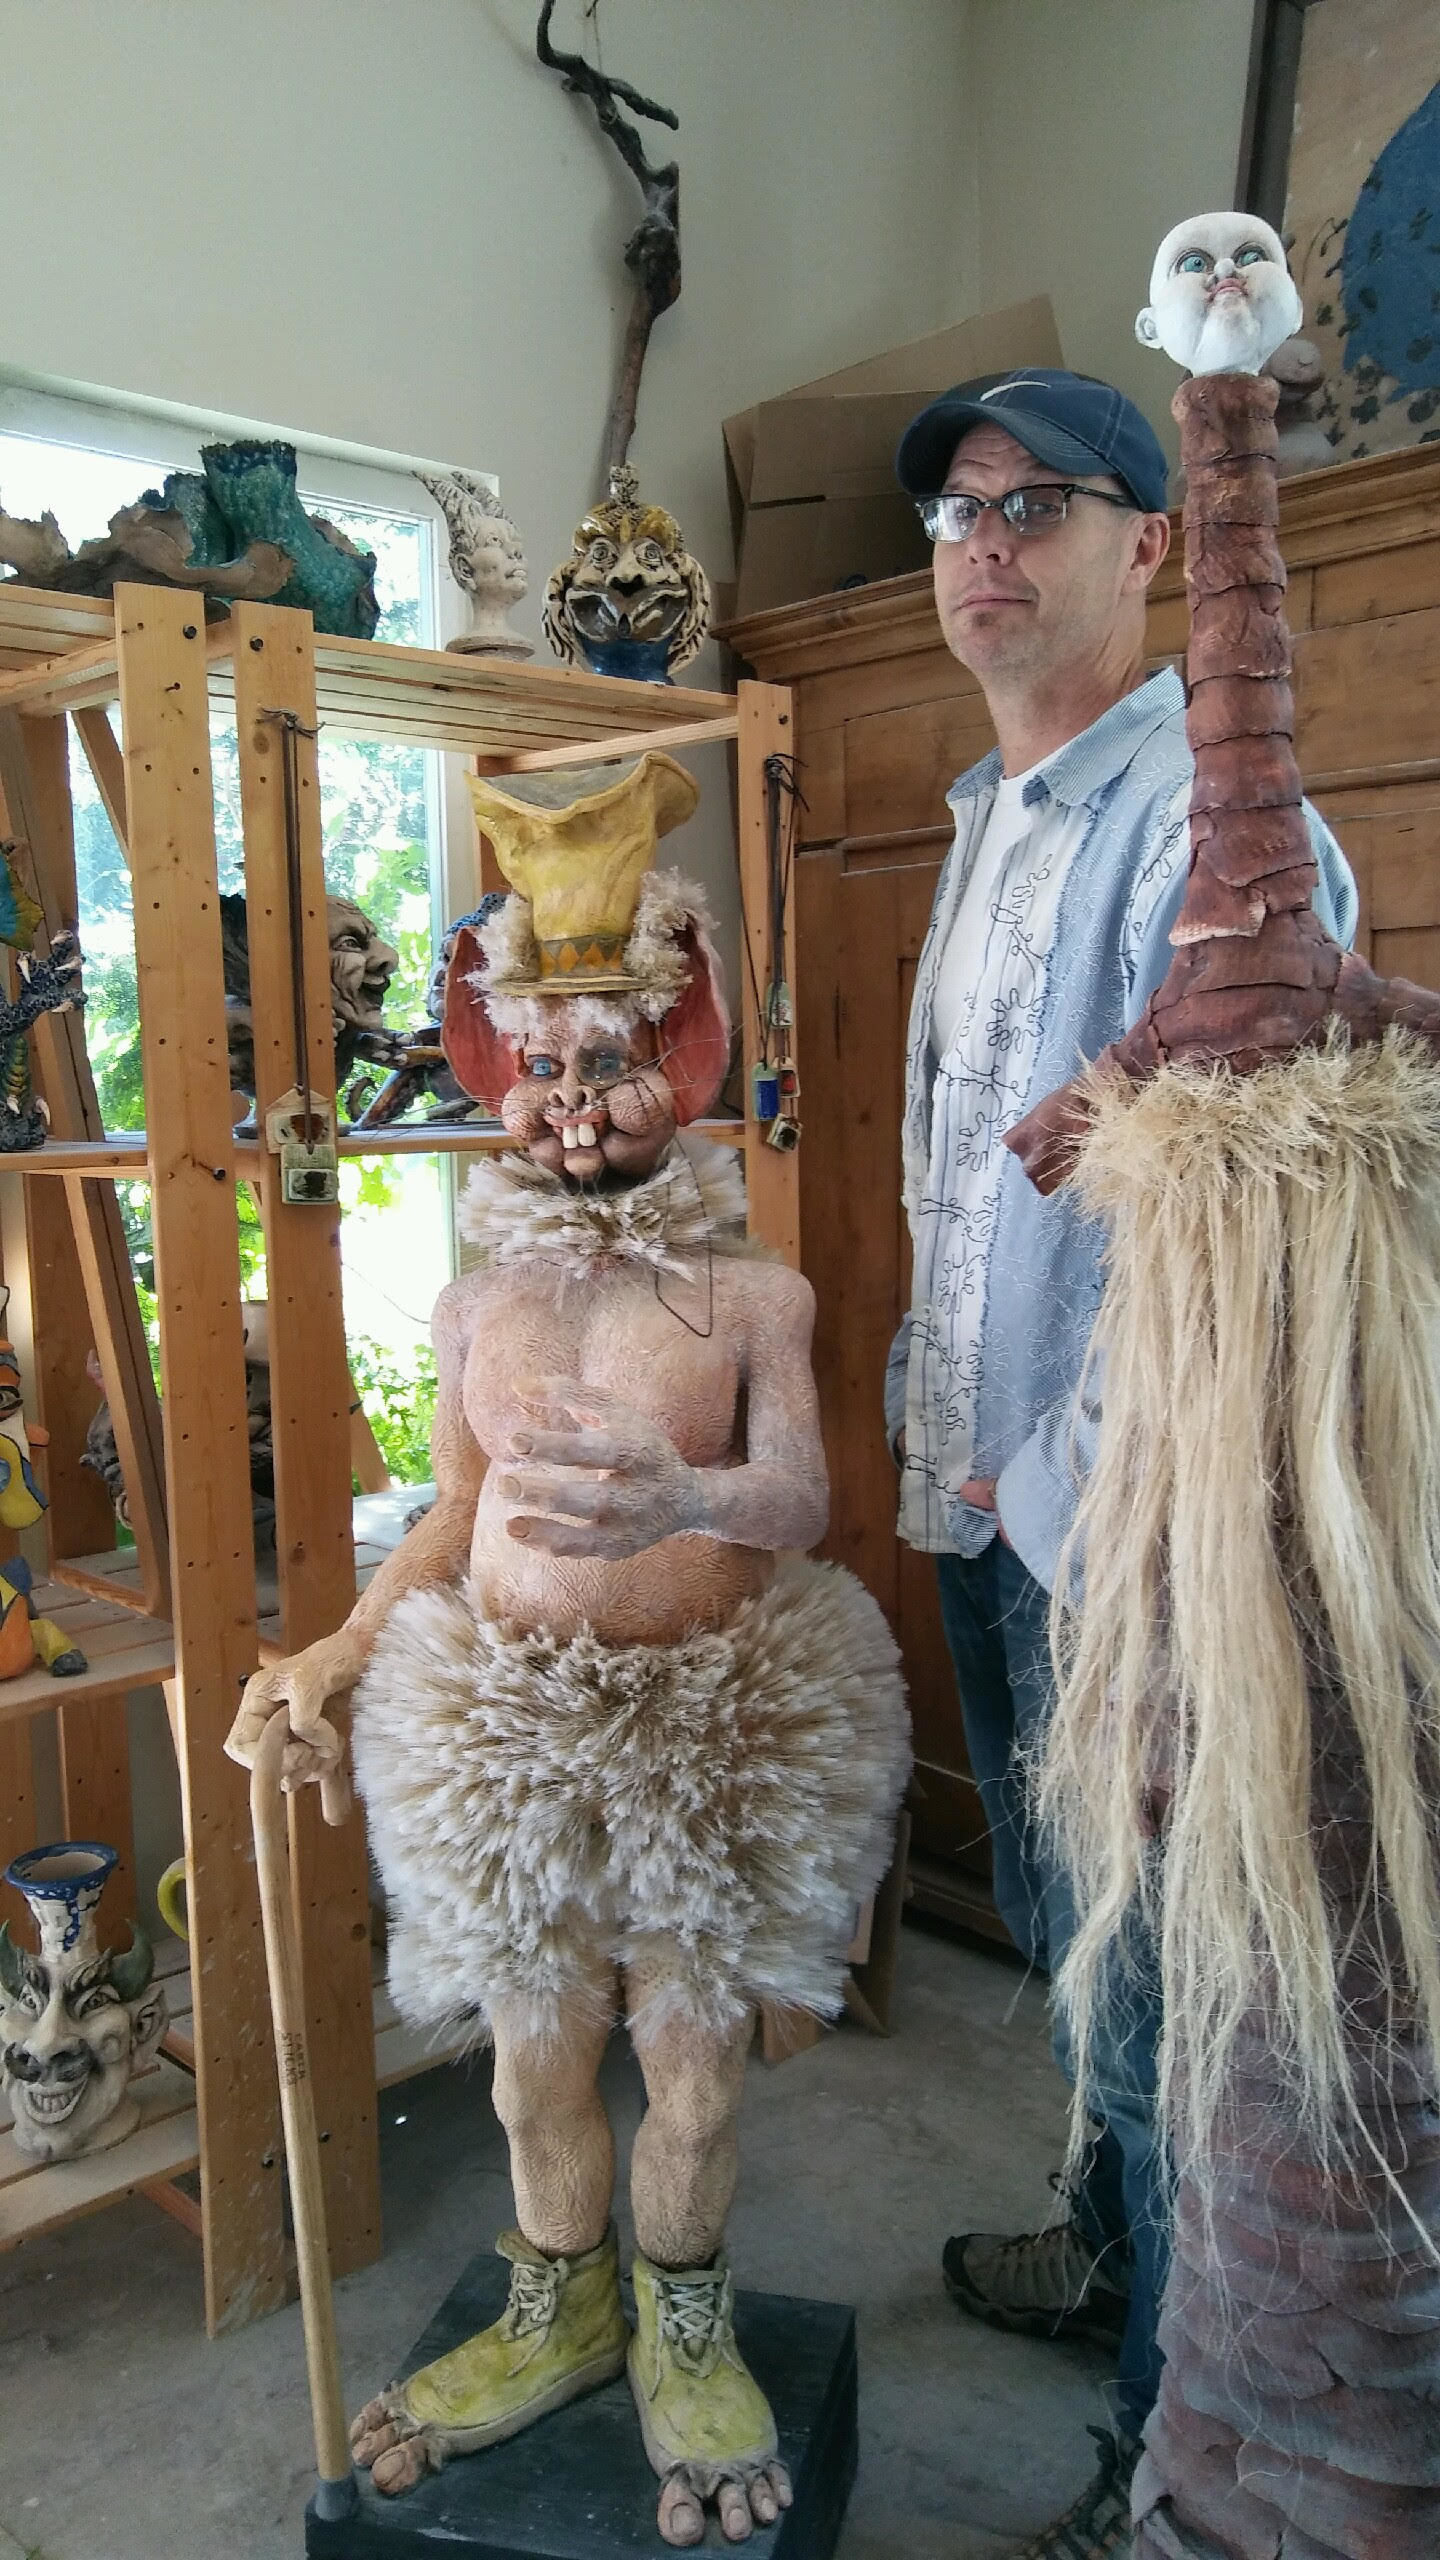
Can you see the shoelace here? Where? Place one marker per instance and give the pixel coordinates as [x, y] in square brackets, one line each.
[534, 2293]
[1109, 2489]
[694, 2315]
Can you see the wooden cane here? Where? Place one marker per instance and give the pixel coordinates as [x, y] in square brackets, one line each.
[336, 2494]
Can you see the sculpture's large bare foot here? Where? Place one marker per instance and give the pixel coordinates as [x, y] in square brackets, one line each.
[706, 2423]
[562, 2332]
[386, 2442]
[741, 2505]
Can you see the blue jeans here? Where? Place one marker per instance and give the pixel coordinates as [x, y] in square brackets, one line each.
[996, 1621]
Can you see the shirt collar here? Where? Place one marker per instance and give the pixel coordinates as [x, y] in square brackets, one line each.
[1083, 766]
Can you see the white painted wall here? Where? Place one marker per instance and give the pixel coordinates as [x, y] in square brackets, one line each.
[387, 224]
[1100, 123]
[381, 221]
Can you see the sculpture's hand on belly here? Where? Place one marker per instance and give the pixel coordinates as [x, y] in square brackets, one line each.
[595, 1477]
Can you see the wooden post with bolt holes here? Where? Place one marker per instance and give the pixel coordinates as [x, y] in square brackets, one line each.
[35, 787]
[310, 1395]
[160, 639]
[47, 1276]
[772, 1178]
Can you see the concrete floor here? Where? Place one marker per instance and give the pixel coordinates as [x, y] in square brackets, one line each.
[126, 2437]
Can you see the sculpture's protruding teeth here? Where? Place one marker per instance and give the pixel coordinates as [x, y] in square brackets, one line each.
[568, 1137]
[587, 1134]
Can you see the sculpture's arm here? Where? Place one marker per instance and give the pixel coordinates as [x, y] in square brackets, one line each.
[597, 1478]
[434, 1551]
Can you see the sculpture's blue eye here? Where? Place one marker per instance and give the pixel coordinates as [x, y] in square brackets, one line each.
[543, 1067]
[603, 1066]
[1253, 256]
[1194, 263]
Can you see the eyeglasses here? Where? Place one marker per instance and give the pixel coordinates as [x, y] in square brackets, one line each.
[954, 516]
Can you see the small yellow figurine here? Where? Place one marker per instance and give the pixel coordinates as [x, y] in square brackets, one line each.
[24, 1638]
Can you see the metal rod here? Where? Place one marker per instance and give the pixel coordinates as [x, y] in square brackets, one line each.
[292, 730]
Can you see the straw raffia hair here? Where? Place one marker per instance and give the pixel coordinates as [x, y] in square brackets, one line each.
[1264, 1508]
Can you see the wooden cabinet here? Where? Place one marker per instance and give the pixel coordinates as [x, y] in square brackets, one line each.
[884, 721]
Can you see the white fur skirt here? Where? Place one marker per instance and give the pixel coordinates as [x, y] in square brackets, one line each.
[547, 1812]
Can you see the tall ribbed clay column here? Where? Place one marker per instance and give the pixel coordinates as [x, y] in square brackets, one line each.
[1299, 2409]
[1255, 975]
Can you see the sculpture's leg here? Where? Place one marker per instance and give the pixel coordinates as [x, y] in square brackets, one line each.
[562, 2152]
[563, 2330]
[707, 2425]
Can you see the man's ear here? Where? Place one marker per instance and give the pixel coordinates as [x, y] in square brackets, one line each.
[695, 1034]
[481, 1062]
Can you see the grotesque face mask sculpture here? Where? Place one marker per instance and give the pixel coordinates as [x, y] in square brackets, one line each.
[1221, 295]
[630, 600]
[361, 966]
[76, 2021]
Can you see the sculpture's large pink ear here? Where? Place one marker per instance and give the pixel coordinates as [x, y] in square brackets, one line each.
[484, 1064]
[695, 1033]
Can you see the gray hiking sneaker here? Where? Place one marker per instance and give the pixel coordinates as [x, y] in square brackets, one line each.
[1097, 2527]
[1043, 2284]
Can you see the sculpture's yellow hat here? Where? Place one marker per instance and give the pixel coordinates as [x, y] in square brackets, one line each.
[577, 844]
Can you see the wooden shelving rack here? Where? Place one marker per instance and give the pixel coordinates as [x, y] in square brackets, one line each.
[185, 1611]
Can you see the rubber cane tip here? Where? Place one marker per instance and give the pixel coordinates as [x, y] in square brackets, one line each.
[336, 2499]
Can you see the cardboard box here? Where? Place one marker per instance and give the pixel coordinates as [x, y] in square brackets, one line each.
[813, 499]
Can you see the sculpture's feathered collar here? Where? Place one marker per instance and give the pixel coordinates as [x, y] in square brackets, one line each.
[693, 1202]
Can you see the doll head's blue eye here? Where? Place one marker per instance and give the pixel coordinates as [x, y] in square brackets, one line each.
[543, 1067]
[1194, 263]
[1251, 256]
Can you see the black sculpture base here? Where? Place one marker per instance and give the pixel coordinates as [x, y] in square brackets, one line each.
[577, 2486]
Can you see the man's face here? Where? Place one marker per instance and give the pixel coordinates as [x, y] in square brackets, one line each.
[591, 1103]
[1021, 608]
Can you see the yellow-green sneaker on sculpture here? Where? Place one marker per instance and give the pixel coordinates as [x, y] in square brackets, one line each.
[702, 2412]
[562, 2332]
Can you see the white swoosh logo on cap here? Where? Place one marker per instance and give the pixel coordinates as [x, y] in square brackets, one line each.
[1024, 384]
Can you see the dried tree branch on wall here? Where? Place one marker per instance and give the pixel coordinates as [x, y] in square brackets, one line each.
[652, 253]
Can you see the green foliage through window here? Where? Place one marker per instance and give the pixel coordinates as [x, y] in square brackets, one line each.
[399, 1398]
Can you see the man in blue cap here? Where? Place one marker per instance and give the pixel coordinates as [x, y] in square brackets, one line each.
[1044, 494]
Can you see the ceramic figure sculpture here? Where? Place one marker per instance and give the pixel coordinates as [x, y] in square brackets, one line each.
[1245, 1742]
[486, 563]
[25, 1636]
[644, 1756]
[421, 1070]
[234, 528]
[361, 968]
[77, 2021]
[630, 600]
[51, 985]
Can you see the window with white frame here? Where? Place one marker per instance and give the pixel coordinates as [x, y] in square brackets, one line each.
[383, 818]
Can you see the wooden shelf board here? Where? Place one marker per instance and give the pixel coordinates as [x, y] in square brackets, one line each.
[37, 2197]
[57, 653]
[126, 1650]
[125, 1156]
[112, 1575]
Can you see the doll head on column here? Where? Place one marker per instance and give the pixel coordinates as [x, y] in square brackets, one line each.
[1222, 298]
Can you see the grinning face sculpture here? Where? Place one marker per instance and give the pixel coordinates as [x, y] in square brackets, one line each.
[1221, 296]
[628, 579]
[73, 2030]
[361, 966]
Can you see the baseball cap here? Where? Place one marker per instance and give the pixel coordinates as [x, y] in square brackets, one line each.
[1069, 421]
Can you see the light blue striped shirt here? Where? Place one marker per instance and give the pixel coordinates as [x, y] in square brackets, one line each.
[984, 1371]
